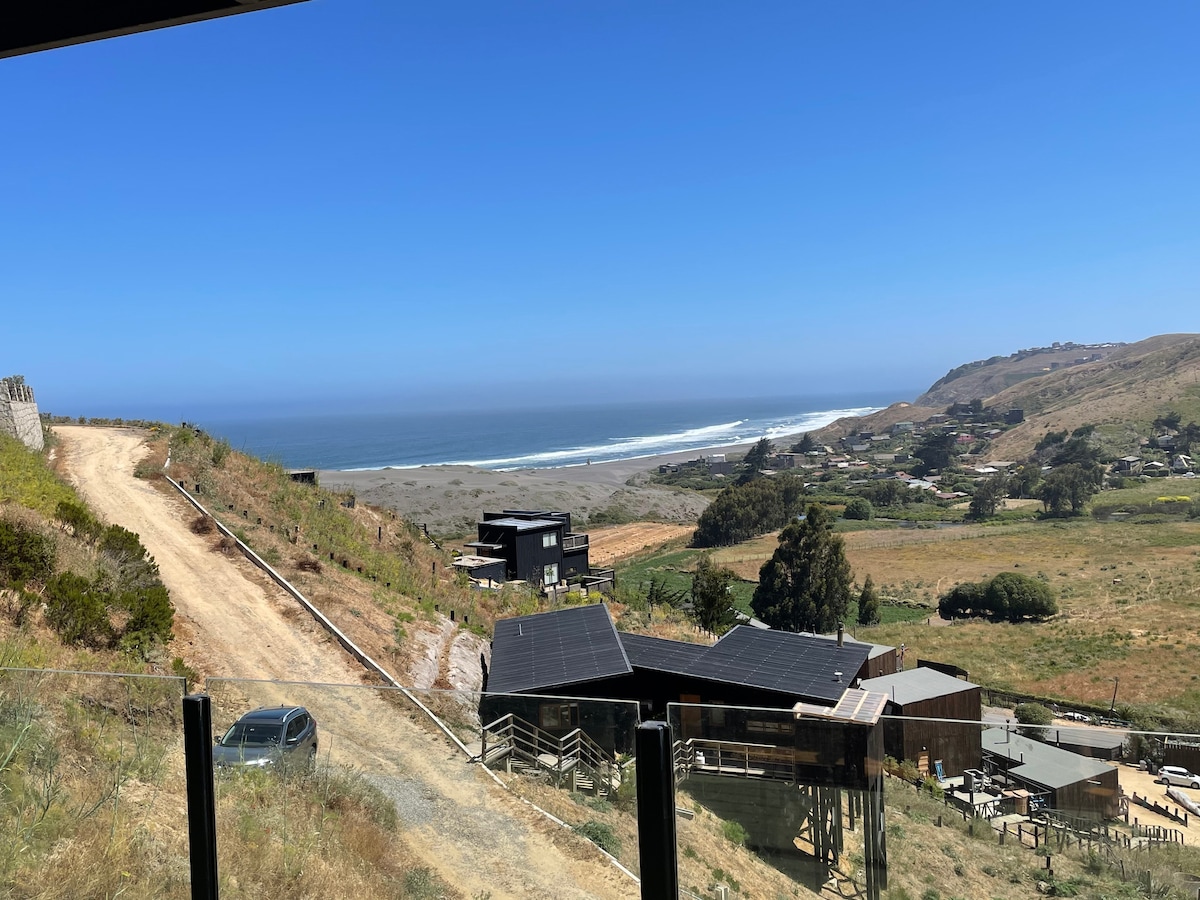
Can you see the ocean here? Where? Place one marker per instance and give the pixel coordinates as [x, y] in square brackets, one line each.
[531, 438]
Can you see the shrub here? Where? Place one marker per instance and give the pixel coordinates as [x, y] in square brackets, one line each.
[25, 554]
[734, 833]
[76, 610]
[601, 835]
[79, 519]
[1033, 714]
[203, 524]
[859, 508]
[151, 617]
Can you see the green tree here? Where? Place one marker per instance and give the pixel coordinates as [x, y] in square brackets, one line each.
[1033, 714]
[743, 511]
[1017, 597]
[1069, 486]
[711, 603]
[661, 595]
[806, 582]
[988, 494]
[859, 508]
[966, 599]
[1023, 483]
[936, 451]
[868, 603]
[805, 444]
[756, 458]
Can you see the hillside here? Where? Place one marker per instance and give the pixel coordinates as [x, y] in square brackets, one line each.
[987, 377]
[1122, 392]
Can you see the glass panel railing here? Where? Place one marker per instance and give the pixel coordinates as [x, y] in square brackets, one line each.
[91, 785]
[483, 795]
[965, 808]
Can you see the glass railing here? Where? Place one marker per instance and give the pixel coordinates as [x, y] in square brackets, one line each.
[431, 793]
[767, 799]
[410, 791]
[92, 800]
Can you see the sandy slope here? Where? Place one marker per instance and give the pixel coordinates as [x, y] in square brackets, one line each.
[478, 837]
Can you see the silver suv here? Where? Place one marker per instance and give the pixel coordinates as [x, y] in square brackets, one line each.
[269, 736]
[1180, 776]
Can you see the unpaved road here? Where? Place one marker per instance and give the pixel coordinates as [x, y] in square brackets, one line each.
[475, 835]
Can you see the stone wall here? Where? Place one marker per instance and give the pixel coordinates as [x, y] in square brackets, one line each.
[19, 413]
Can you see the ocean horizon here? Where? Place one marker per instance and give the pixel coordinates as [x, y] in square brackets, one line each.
[531, 438]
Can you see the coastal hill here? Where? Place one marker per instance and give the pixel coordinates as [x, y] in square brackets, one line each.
[1122, 391]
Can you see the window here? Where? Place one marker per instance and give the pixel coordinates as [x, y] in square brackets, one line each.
[550, 574]
[296, 727]
[550, 539]
[558, 715]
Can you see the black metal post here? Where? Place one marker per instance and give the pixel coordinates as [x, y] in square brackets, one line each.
[201, 798]
[657, 848]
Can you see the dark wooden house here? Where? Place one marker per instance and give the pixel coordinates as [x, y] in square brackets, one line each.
[1074, 785]
[928, 694]
[536, 546]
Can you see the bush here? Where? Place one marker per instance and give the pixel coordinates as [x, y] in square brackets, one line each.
[734, 833]
[203, 524]
[859, 508]
[151, 617]
[601, 835]
[77, 611]
[79, 519]
[1033, 714]
[25, 554]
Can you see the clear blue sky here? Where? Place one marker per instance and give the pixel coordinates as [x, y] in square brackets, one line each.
[435, 202]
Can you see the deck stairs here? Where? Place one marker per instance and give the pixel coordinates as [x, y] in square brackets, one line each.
[573, 761]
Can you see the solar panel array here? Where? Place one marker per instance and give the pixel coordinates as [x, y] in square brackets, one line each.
[799, 664]
[545, 650]
[662, 655]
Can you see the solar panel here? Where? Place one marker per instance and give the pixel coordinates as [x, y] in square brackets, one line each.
[545, 650]
[660, 654]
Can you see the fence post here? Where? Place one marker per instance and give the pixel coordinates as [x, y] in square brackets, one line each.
[201, 797]
[657, 847]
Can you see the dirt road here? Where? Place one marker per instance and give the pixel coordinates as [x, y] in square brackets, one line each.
[475, 835]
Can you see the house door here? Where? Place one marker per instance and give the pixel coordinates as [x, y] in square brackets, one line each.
[689, 717]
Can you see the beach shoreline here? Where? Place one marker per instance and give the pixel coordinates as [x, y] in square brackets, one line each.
[450, 499]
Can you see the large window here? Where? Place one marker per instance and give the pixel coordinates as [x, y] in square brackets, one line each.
[550, 539]
[550, 574]
[558, 715]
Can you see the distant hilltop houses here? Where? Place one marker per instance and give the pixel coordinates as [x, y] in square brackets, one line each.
[19, 412]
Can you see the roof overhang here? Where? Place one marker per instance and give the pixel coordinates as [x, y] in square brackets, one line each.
[32, 25]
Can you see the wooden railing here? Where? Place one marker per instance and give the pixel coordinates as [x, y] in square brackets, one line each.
[705, 757]
[556, 755]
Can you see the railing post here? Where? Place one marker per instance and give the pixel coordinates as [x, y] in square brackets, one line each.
[657, 847]
[201, 797]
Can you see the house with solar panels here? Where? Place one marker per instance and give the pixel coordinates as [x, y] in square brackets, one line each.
[533, 545]
[577, 652]
[769, 729]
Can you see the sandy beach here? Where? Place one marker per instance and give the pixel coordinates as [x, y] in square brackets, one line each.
[451, 499]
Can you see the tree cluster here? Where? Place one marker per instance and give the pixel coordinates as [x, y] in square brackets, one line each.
[1010, 596]
[805, 585]
[744, 511]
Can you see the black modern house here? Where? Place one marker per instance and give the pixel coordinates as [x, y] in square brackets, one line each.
[536, 546]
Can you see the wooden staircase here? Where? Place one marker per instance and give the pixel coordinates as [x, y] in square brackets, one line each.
[573, 761]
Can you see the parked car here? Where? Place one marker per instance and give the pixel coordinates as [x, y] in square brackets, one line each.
[1076, 717]
[269, 736]
[1180, 776]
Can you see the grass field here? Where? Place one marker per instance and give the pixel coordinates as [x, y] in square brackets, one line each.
[1128, 591]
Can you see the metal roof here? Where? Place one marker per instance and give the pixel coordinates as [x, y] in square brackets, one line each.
[1099, 738]
[546, 650]
[915, 685]
[1049, 767]
[660, 654]
[803, 665]
[525, 524]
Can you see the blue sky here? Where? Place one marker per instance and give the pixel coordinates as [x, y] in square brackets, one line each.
[432, 203]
